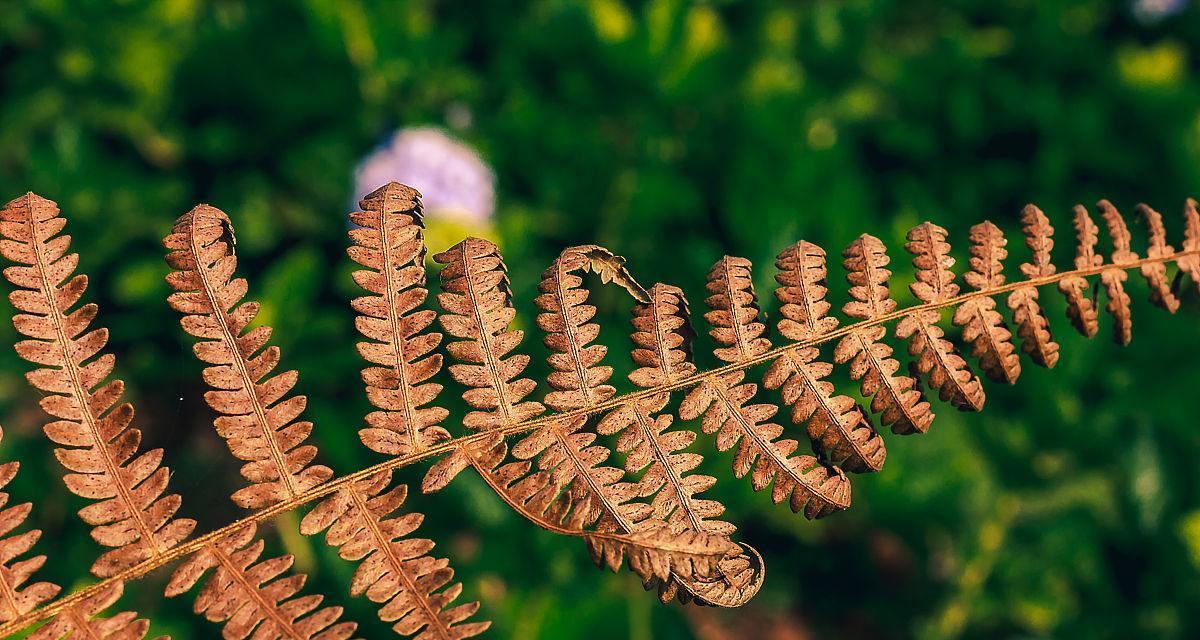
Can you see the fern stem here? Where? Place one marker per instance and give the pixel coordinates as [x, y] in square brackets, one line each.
[139, 570]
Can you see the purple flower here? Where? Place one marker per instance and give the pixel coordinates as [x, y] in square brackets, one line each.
[451, 176]
[1151, 11]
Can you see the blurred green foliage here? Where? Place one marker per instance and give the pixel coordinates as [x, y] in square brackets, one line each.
[673, 133]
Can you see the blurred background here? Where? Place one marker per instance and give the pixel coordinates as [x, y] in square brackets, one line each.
[673, 133]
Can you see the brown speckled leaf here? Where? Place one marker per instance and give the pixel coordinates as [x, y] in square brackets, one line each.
[896, 397]
[253, 597]
[258, 418]
[937, 358]
[479, 311]
[1032, 325]
[395, 569]
[131, 511]
[982, 325]
[837, 425]
[388, 242]
[656, 552]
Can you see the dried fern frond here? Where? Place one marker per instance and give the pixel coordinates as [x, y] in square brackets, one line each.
[1032, 325]
[982, 325]
[805, 482]
[258, 419]
[478, 310]
[388, 243]
[132, 512]
[1155, 273]
[396, 569]
[249, 596]
[578, 378]
[1114, 279]
[1081, 309]
[937, 358]
[901, 405]
[649, 511]
[838, 427]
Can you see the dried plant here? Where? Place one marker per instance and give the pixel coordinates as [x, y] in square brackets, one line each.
[649, 509]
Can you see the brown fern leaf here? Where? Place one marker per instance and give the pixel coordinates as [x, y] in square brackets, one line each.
[837, 425]
[578, 379]
[257, 419]
[1156, 273]
[16, 598]
[389, 243]
[901, 404]
[936, 357]
[396, 570]
[1081, 309]
[97, 446]
[538, 496]
[479, 310]
[1114, 279]
[662, 338]
[1190, 264]
[1032, 325]
[804, 481]
[734, 316]
[249, 596]
[80, 621]
[982, 325]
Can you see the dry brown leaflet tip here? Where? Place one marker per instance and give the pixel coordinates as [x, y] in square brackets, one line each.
[1032, 325]
[937, 358]
[838, 427]
[982, 324]
[388, 242]
[258, 414]
[900, 404]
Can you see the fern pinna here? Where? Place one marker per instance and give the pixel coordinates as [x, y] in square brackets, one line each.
[558, 470]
